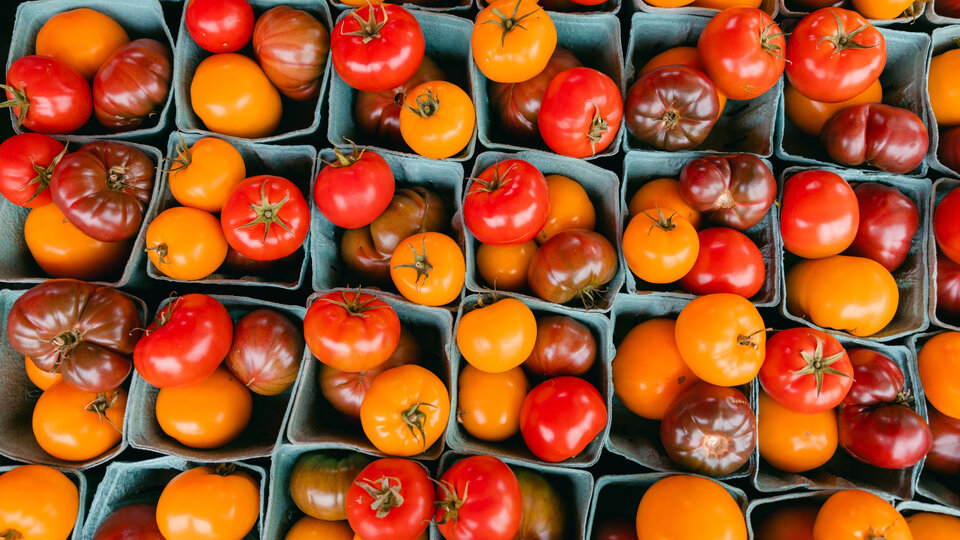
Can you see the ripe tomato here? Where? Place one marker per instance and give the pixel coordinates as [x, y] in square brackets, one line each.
[938, 363]
[266, 352]
[819, 214]
[75, 425]
[722, 338]
[724, 4]
[291, 46]
[498, 337]
[391, 499]
[437, 120]
[121, 104]
[377, 48]
[203, 175]
[504, 268]
[82, 38]
[355, 190]
[186, 244]
[933, 526]
[659, 247]
[265, 201]
[512, 40]
[479, 497]
[663, 193]
[351, 331]
[574, 264]
[888, 222]
[856, 514]
[883, 9]
[683, 56]
[26, 165]
[185, 343]
[834, 54]
[806, 370]
[405, 411]
[544, 508]
[308, 528]
[889, 138]
[220, 26]
[946, 225]
[616, 529]
[432, 276]
[564, 346]
[570, 208]
[671, 108]
[948, 149]
[62, 251]
[581, 112]
[509, 203]
[40, 378]
[47, 95]
[232, 96]
[942, 88]
[727, 262]
[948, 289]
[944, 456]
[319, 482]
[37, 502]
[135, 520]
[488, 404]
[810, 116]
[794, 441]
[794, 522]
[684, 507]
[209, 503]
[734, 190]
[207, 414]
[741, 49]
[560, 417]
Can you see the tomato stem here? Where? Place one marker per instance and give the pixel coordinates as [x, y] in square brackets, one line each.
[414, 418]
[451, 503]
[65, 342]
[354, 307]
[420, 263]
[820, 366]
[183, 159]
[598, 126]
[766, 42]
[100, 405]
[427, 105]
[11, 534]
[225, 469]
[161, 250]
[509, 23]
[19, 99]
[661, 221]
[385, 497]
[44, 174]
[843, 40]
[116, 178]
[370, 28]
[267, 213]
[496, 182]
[348, 160]
[747, 340]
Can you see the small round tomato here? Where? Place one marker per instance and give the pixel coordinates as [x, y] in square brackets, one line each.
[220, 26]
[741, 49]
[185, 243]
[83, 38]
[40, 378]
[47, 95]
[806, 370]
[27, 161]
[570, 208]
[203, 175]
[565, 346]
[488, 404]
[504, 268]
[946, 225]
[819, 214]
[232, 96]
[390, 499]
[574, 264]
[793, 441]
[854, 514]
[498, 337]
[663, 193]
[722, 338]
[209, 503]
[37, 502]
[265, 218]
[354, 190]
[512, 40]
[437, 120]
[308, 528]
[377, 47]
[658, 247]
[405, 410]
[938, 363]
[810, 116]
[794, 522]
[507, 204]
[351, 331]
[727, 262]
[684, 56]
[689, 507]
[942, 88]
[208, 414]
[74, 425]
[479, 497]
[933, 526]
[428, 269]
[580, 113]
[63, 251]
[319, 482]
[560, 417]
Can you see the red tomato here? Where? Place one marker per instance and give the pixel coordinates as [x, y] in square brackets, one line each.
[892, 139]
[580, 113]
[948, 289]
[479, 498]
[351, 331]
[255, 205]
[26, 165]
[944, 456]
[728, 262]
[220, 26]
[186, 342]
[819, 214]
[391, 499]
[560, 417]
[806, 370]
[888, 222]
[377, 48]
[741, 49]
[946, 225]
[355, 190]
[47, 95]
[507, 204]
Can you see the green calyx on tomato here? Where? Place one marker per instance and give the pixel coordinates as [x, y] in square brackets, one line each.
[348, 160]
[183, 159]
[267, 213]
[766, 42]
[356, 306]
[19, 100]
[662, 221]
[414, 418]
[451, 503]
[420, 263]
[817, 365]
[427, 105]
[44, 174]
[843, 40]
[384, 497]
[101, 404]
[598, 126]
[509, 23]
[370, 28]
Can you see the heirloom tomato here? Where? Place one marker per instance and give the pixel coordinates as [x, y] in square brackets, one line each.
[948, 149]
[232, 96]
[27, 161]
[75, 425]
[946, 8]
[377, 47]
[133, 521]
[813, 5]
[390, 499]
[504, 268]
[40, 378]
[572, 264]
[308, 528]
[432, 276]
[209, 503]
[133, 84]
[378, 113]
[854, 514]
[794, 522]
[437, 120]
[266, 352]
[186, 244]
[883, 9]
[265, 218]
[742, 50]
[888, 138]
[570, 208]
[488, 404]
[405, 410]
[794, 441]
[544, 510]
[888, 222]
[933, 526]
[479, 497]
[819, 214]
[37, 502]
[351, 331]
[944, 455]
[580, 113]
[681, 56]
[938, 363]
[63, 251]
[82, 38]
[672, 108]
[291, 46]
[564, 346]
[658, 247]
[806, 370]
[497, 337]
[727, 262]
[684, 507]
[509, 203]
[733, 190]
[203, 175]
[948, 289]
[512, 40]
[220, 26]
[47, 96]
[207, 414]
[663, 193]
[810, 115]
[616, 529]
[319, 483]
[946, 225]
[560, 417]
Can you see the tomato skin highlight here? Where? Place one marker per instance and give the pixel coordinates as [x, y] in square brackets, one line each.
[52, 96]
[560, 417]
[220, 26]
[376, 48]
[507, 204]
[727, 262]
[26, 166]
[580, 113]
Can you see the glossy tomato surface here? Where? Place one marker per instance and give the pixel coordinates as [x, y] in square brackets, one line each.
[727, 262]
[266, 218]
[47, 95]
[28, 160]
[888, 222]
[390, 499]
[672, 108]
[819, 214]
[355, 189]
[888, 138]
[507, 204]
[561, 416]
[291, 46]
[734, 190]
[220, 26]
[580, 113]
[351, 330]
[571, 265]
[131, 87]
[479, 497]
[806, 370]
[376, 48]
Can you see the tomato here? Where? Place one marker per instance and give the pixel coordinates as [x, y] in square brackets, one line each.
[727, 262]
[488, 404]
[103, 189]
[512, 40]
[208, 414]
[232, 96]
[268, 201]
[47, 95]
[186, 244]
[75, 425]
[580, 113]
[741, 49]
[856, 514]
[572, 264]
[185, 343]
[794, 441]
[722, 338]
[498, 337]
[40, 378]
[82, 38]
[852, 294]
[888, 138]
[794, 522]
[686, 507]
[806, 370]
[948, 149]
[351, 331]
[672, 108]
[659, 247]
[834, 54]
[220, 26]
[733, 190]
[85, 332]
[355, 190]
[61, 250]
[207, 503]
[319, 483]
[616, 529]
[266, 352]
[135, 520]
[378, 113]
[479, 497]
[564, 346]
[308, 528]
[942, 89]
[377, 48]
[810, 116]
[683, 56]
[203, 175]
[944, 455]
[819, 214]
[405, 411]
[27, 161]
[946, 225]
[509, 203]
[663, 193]
[888, 222]
[560, 417]
[437, 119]
[724, 4]
[505, 267]
[391, 499]
[570, 208]
[133, 84]
[432, 276]
[291, 46]
[938, 362]
[946, 8]
[544, 511]
[933, 526]
[883, 9]
[37, 502]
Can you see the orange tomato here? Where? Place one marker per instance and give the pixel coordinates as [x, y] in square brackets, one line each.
[881, 9]
[209, 503]
[38, 502]
[854, 514]
[42, 379]
[684, 507]
[724, 4]
[308, 528]
[648, 372]
[208, 414]
[722, 338]
[663, 193]
[82, 38]
[186, 243]
[792, 441]
[512, 40]
[943, 88]
[488, 404]
[405, 410]
[428, 269]
[204, 175]
[931, 526]
[505, 267]
[669, 3]
[788, 523]
[660, 246]
[570, 208]
[498, 337]
[62, 251]
[810, 116]
[437, 120]
[688, 56]
[233, 96]
[939, 365]
[74, 425]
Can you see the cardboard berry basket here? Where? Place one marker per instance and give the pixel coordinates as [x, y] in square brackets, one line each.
[600, 184]
[80, 480]
[270, 413]
[17, 266]
[299, 118]
[941, 42]
[296, 163]
[642, 167]
[912, 276]
[770, 7]
[568, 6]
[143, 481]
[140, 19]
[904, 82]
[909, 508]
[919, 8]
[594, 40]
[514, 448]
[447, 43]
[940, 190]
[313, 419]
[931, 16]
[445, 178]
[743, 126]
[760, 508]
[16, 416]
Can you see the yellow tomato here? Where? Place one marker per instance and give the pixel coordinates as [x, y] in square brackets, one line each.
[62, 251]
[943, 85]
[186, 243]
[308, 528]
[208, 414]
[203, 176]
[37, 503]
[931, 526]
[82, 38]
[488, 404]
[504, 268]
[939, 365]
[810, 116]
[792, 441]
[437, 119]
[498, 337]
[663, 193]
[570, 208]
[42, 379]
[428, 269]
[233, 96]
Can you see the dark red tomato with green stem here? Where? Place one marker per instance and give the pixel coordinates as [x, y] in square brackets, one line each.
[733, 190]
[47, 96]
[378, 113]
[889, 138]
[946, 225]
[564, 346]
[355, 189]
[672, 108]
[819, 214]
[391, 499]
[728, 262]
[742, 49]
[888, 222]
[560, 417]
[580, 113]
[220, 26]
[376, 48]
[137, 521]
[478, 498]
[507, 204]
[27, 161]
[351, 331]
[572, 264]
[266, 352]
[133, 84]
[266, 218]
[806, 370]
[944, 455]
[948, 289]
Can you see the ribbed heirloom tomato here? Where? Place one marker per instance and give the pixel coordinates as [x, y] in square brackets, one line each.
[512, 40]
[405, 411]
[291, 46]
[133, 84]
[37, 502]
[351, 331]
[209, 503]
[572, 265]
[565, 346]
[810, 115]
[203, 175]
[681, 56]
[946, 225]
[497, 337]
